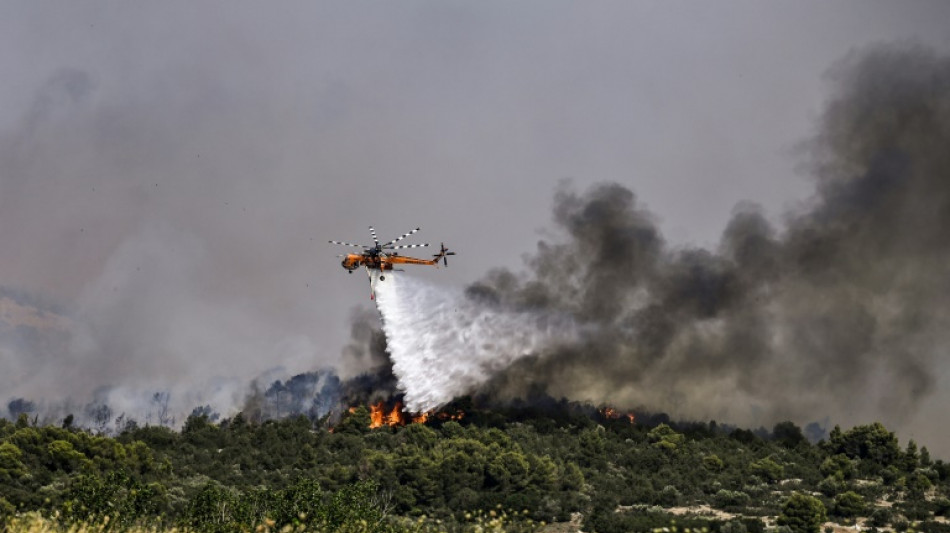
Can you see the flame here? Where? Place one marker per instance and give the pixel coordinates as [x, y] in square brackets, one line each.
[450, 416]
[395, 417]
[381, 415]
[612, 414]
[376, 414]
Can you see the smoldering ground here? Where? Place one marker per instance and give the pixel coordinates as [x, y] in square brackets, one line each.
[840, 312]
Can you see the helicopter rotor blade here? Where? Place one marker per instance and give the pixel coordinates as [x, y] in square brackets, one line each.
[403, 246]
[401, 237]
[348, 244]
[373, 233]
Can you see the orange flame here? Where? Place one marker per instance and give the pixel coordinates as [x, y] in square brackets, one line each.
[612, 414]
[450, 416]
[376, 414]
[380, 415]
[395, 417]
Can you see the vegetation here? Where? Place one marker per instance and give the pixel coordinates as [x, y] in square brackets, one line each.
[802, 514]
[512, 470]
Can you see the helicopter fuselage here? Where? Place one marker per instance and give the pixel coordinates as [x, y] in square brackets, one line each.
[385, 261]
[352, 262]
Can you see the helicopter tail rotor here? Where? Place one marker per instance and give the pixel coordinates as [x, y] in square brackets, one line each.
[443, 255]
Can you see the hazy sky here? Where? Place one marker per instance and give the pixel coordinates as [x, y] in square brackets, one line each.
[170, 172]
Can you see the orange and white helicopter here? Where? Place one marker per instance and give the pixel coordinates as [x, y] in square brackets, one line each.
[382, 257]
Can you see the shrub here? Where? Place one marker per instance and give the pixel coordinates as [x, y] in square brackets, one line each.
[802, 514]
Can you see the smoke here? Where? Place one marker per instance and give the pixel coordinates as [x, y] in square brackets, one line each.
[145, 325]
[841, 313]
[139, 207]
[142, 215]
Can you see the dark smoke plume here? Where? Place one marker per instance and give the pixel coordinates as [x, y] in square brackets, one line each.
[366, 363]
[844, 312]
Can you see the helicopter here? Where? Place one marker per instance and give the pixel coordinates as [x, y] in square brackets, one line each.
[382, 257]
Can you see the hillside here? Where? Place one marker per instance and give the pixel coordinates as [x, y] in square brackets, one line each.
[555, 469]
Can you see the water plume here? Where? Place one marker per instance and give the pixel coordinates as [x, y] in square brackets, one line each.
[443, 344]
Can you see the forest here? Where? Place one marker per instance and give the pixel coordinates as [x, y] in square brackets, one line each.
[560, 467]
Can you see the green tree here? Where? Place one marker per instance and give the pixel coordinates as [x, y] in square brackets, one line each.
[873, 444]
[713, 463]
[726, 499]
[925, 460]
[571, 477]
[917, 485]
[669, 496]
[65, 457]
[911, 458]
[212, 509]
[352, 504]
[508, 471]
[788, 434]
[89, 498]
[881, 517]
[355, 422]
[849, 505]
[665, 437]
[6, 512]
[11, 461]
[838, 466]
[300, 503]
[767, 469]
[803, 514]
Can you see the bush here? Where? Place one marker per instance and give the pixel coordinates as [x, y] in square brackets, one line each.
[733, 526]
[831, 486]
[725, 499]
[767, 469]
[881, 517]
[941, 507]
[849, 505]
[669, 496]
[803, 514]
[713, 463]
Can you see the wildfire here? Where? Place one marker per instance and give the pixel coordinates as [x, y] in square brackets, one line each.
[612, 414]
[381, 415]
[458, 415]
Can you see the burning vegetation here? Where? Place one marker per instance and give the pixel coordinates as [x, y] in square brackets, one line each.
[380, 415]
[610, 413]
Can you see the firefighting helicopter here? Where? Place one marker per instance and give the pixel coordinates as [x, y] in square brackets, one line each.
[381, 257]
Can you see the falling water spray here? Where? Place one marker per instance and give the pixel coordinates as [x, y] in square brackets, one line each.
[443, 344]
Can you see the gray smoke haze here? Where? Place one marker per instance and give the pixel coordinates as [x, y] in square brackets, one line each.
[841, 313]
[170, 172]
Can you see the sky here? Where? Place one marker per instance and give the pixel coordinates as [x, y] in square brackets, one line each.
[170, 172]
